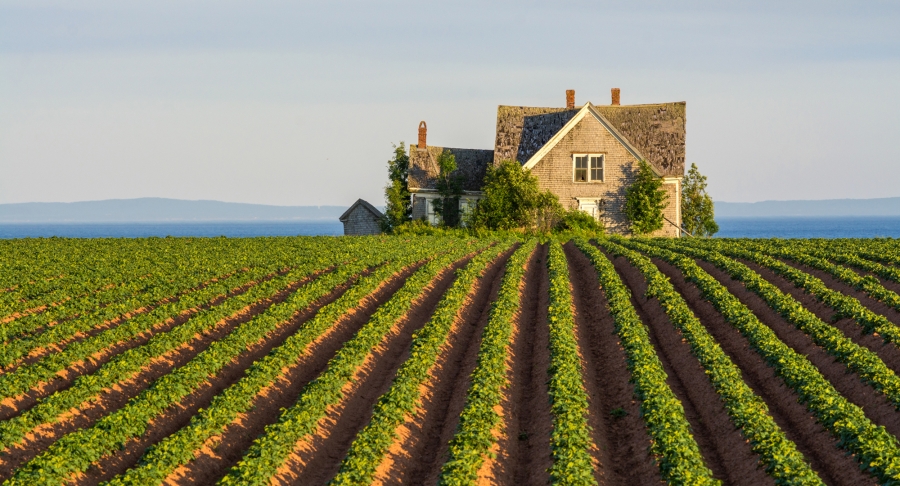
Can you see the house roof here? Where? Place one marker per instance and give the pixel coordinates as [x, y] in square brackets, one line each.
[361, 204]
[471, 164]
[657, 131]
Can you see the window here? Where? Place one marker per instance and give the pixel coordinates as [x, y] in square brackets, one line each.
[588, 168]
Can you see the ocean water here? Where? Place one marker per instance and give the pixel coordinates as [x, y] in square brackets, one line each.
[839, 227]
[143, 230]
[808, 227]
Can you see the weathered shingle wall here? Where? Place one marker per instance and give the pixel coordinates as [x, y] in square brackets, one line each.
[657, 131]
[360, 221]
[555, 172]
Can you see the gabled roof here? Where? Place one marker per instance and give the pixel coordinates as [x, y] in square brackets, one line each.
[471, 164]
[586, 110]
[365, 205]
[656, 131]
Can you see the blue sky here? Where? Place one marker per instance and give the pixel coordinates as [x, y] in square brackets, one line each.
[298, 103]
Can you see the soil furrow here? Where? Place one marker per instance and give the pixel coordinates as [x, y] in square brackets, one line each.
[524, 455]
[725, 450]
[812, 439]
[877, 407]
[179, 415]
[318, 457]
[38, 353]
[66, 377]
[622, 453]
[421, 450]
[112, 399]
[225, 450]
[889, 353]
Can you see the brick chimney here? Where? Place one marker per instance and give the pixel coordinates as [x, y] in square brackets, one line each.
[423, 130]
[570, 99]
[615, 96]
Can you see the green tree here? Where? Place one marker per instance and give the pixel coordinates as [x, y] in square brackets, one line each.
[449, 188]
[697, 212]
[645, 201]
[513, 200]
[398, 209]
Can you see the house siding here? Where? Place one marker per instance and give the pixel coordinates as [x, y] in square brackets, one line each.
[361, 221]
[555, 170]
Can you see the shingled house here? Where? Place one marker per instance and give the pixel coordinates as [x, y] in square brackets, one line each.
[362, 219]
[586, 155]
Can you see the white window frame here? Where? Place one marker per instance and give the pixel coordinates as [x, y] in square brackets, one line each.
[590, 180]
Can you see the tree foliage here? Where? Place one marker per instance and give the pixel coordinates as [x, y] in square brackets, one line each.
[697, 212]
[398, 208]
[449, 187]
[513, 200]
[645, 201]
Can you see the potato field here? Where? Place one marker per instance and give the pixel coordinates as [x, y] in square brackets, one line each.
[438, 360]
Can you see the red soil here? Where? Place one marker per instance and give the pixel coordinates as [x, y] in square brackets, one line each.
[623, 443]
[725, 450]
[420, 452]
[800, 426]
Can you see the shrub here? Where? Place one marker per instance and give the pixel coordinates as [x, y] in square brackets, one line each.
[645, 201]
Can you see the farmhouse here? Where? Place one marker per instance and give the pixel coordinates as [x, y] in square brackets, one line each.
[587, 155]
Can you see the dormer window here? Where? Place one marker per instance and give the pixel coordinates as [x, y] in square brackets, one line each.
[588, 168]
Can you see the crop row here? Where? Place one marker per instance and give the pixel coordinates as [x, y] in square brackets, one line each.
[63, 332]
[479, 419]
[844, 305]
[179, 448]
[570, 440]
[747, 410]
[874, 447]
[27, 376]
[677, 452]
[845, 256]
[268, 452]
[399, 402]
[128, 364]
[77, 451]
[856, 358]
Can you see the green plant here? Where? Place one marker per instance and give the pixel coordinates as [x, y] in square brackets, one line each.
[513, 200]
[449, 188]
[645, 201]
[578, 221]
[874, 447]
[398, 209]
[747, 410]
[697, 211]
[479, 418]
[678, 454]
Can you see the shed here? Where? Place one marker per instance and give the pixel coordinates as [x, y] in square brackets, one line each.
[362, 219]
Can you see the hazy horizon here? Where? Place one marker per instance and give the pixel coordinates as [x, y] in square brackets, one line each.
[291, 104]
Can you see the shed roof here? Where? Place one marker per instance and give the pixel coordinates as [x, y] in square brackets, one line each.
[471, 164]
[362, 204]
[656, 130]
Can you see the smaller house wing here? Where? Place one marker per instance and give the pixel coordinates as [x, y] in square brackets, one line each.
[471, 165]
[362, 204]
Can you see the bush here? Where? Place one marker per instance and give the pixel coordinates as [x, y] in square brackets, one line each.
[697, 212]
[578, 221]
[513, 200]
[398, 209]
[645, 201]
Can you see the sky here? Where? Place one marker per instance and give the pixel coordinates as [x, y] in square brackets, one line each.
[300, 102]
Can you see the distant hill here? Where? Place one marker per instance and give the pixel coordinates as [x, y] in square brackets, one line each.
[889, 206]
[154, 209]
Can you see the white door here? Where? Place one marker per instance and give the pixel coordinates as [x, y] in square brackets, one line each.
[590, 207]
